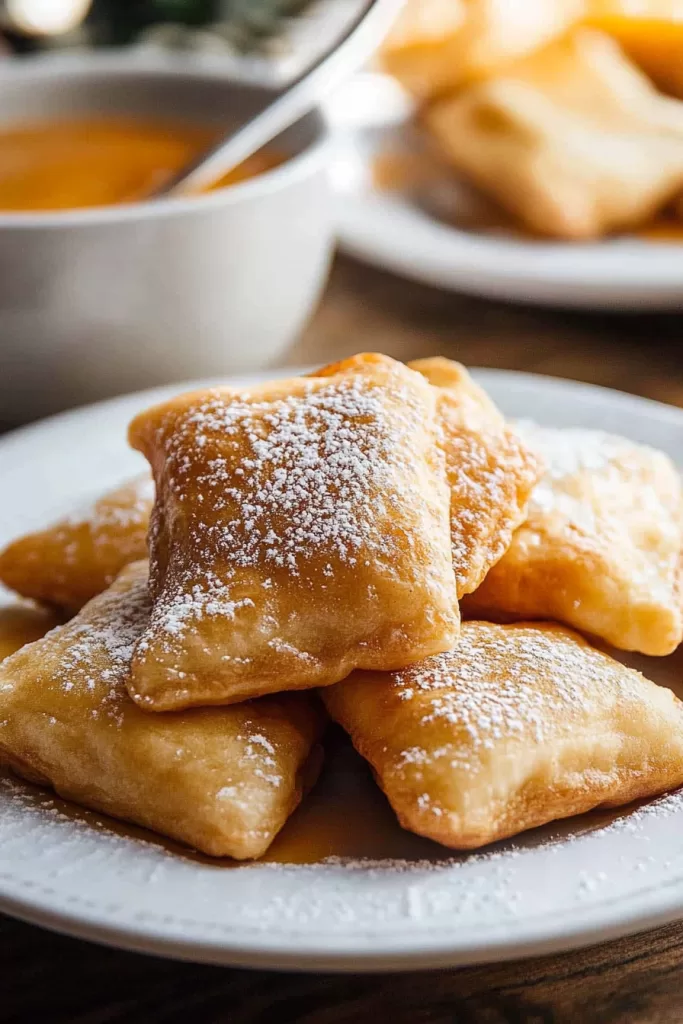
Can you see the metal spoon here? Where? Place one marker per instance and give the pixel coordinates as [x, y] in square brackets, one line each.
[359, 41]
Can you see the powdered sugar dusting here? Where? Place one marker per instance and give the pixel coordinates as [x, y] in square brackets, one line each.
[116, 527]
[95, 654]
[491, 474]
[299, 484]
[607, 495]
[259, 753]
[127, 506]
[501, 683]
[604, 460]
[572, 450]
[311, 467]
[567, 454]
[257, 759]
[77, 557]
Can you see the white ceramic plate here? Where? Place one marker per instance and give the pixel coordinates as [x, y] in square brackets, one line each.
[576, 883]
[390, 230]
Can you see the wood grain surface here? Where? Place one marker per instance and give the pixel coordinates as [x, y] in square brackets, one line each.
[49, 978]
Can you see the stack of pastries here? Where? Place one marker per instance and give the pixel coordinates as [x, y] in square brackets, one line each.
[565, 115]
[306, 553]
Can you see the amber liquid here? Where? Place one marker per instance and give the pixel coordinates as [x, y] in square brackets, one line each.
[67, 165]
[347, 815]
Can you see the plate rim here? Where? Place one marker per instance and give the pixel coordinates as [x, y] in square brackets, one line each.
[254, 953]
[470, 264]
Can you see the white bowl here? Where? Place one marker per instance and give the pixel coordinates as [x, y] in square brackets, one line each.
[100, 301]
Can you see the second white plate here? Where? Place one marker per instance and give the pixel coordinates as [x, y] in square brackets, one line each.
[388, 229]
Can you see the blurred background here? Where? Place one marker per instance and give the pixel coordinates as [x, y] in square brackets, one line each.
[36, 24]
[503, 184]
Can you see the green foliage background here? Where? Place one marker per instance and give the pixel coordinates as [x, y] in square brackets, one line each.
[236, 25]
[241, 23]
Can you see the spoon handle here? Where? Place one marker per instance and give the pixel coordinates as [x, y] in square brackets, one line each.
[299, 96]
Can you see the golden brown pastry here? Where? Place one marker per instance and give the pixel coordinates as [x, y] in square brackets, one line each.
[78, 557]
[301, 530]
[574, 140]
[517, 726]
[601, 547]
[223, 780]
[22, 624]
[437, 45]
[491, 471]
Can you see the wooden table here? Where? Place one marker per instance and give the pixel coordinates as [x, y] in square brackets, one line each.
[47, 978]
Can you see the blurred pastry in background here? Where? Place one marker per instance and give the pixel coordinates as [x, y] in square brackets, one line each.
[573, 140]
[438, 45]
[563, 116]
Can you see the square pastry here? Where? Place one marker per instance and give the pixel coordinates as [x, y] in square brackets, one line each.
[515, 727]
[491, 471]
[301, 530]
[223, 780]
[79, 556]
[587, 144]
[601, 547]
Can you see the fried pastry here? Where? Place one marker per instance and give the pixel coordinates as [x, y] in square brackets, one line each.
[515, 727]
[491, 471]
[437, 45]
[574, 141]
[223, 780]
[301, 530]
[21, 624]
[78, 557]
[601, 547]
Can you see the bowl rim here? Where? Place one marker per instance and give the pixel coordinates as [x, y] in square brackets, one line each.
[142, 63]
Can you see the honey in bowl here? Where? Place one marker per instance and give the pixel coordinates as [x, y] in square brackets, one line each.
[70, 165]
